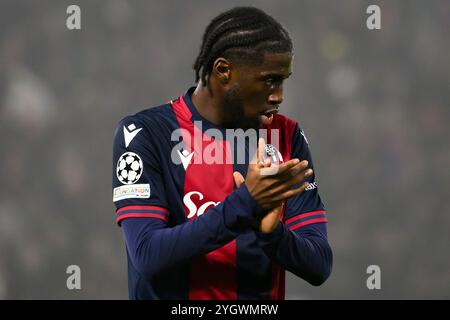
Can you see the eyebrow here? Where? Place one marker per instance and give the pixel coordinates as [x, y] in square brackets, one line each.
[275, 75]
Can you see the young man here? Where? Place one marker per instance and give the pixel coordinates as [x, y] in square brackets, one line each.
[195, 228]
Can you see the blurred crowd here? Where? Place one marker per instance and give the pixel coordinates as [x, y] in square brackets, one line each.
[374, 105]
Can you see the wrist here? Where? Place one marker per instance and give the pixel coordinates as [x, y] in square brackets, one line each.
[246, 197]
[264, 230]
[271, 236]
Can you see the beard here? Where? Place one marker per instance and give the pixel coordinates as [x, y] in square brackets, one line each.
[233, 113]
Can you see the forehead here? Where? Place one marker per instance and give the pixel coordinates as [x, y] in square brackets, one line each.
[274, 63]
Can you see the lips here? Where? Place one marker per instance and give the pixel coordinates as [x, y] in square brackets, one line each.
[270, 111]
[266, 116]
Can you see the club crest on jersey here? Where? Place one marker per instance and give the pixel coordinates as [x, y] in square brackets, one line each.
[273, 154]
[129, 168]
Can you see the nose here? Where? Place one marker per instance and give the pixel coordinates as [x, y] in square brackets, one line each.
[276, 96]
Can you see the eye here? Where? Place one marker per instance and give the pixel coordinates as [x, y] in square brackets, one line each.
[271, 82]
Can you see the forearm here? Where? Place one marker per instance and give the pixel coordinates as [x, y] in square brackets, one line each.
[307, 254]
[155, 247]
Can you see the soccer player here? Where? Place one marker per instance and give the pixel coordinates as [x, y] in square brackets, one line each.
[201, 229]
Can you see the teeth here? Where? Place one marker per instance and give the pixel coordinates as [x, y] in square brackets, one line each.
[270, 112]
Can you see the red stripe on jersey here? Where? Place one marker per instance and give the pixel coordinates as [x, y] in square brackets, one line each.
[278, 282]
[307, 222]
[286, 130]
[159, 209]
[304, 215]
[140, 215]
[213, 275]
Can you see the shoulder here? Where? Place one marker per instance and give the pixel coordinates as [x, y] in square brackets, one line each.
[146, 128]
[150, 117]
[157, 121]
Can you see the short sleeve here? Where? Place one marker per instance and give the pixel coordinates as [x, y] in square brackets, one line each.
[137, 182]
[306, 208]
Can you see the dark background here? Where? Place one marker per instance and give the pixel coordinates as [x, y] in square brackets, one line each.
[373, 104]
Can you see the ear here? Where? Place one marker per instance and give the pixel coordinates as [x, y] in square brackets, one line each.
[222, 70]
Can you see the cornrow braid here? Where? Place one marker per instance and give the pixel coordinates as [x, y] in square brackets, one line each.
[211, 35]
[246, 33]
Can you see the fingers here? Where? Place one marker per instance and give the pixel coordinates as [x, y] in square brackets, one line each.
[261, 148]
[287, 184]
[297, 174]
[259, 154]
[238, 179]
[291, 193]
[292, 171]
[279, 170]
[295, 170]
[286, 170]
[267, 163]
[299, 178]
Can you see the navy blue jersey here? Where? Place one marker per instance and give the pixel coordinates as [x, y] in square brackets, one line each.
[188, 229]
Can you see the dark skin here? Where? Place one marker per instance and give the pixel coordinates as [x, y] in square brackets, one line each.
[259, 90]
[261, 86]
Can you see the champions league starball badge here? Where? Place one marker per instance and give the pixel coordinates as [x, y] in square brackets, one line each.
[129, 168]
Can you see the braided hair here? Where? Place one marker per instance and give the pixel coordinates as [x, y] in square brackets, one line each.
[243, 35]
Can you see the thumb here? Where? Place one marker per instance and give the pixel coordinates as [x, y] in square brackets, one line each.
[238, 179]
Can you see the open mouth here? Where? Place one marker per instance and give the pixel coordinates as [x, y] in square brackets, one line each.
[266, 116]
[270, 112]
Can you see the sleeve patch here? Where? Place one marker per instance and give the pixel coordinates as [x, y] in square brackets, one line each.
[138, 191]
[129, 168]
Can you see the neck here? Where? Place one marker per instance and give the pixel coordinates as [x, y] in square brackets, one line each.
[207, 105]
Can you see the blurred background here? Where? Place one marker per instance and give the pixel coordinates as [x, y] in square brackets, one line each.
[375, 106]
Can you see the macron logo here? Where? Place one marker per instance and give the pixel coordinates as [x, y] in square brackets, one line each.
[130, 133]
[185, 157]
